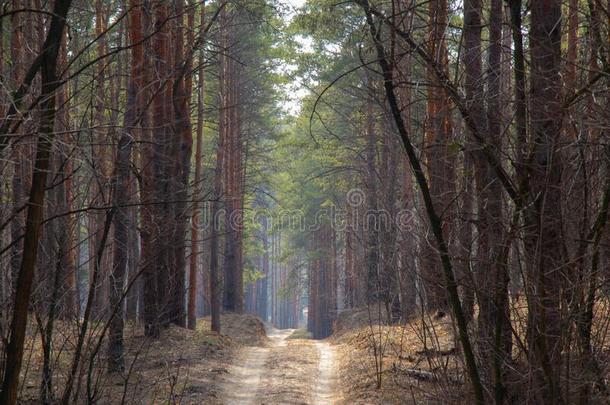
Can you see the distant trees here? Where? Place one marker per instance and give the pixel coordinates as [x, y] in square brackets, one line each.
[322, 285]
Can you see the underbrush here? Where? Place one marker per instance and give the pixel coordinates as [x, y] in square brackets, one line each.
[394, 364]
[182, 366]
[420, 361]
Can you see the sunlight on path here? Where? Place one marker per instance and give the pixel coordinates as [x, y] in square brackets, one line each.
[284, 371]
[324, 394]
[245, 376]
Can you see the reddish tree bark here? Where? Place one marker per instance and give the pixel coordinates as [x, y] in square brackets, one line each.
[162, 162]
[121, 185]
[233, 173]
[149, 234]
[69, 290]
[195, 248]
[439, 159]
[215, 282]
[182, 143]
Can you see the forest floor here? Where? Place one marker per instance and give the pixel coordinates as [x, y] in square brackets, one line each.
[363, 362]
[182, 367]
[412, 363]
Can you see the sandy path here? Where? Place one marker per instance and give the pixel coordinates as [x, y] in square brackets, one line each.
[286, 371]
[324, 393]
[245, 375]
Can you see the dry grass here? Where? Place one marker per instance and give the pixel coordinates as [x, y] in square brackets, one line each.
[411, 371]
[421, 362]
[183, 366]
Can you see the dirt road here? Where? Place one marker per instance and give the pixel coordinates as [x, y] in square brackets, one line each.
[286, 371]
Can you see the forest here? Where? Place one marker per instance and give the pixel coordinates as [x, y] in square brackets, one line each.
[304, 201]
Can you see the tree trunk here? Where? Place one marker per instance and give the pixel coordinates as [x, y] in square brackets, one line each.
[69, 287]
[492, 275]
[261, 301]
[149, 234]
[440, 160]
[100, 157]
[544, 233]
[233, 173]
[181, 151]
[372, 214]
[122, 187]
[162, 164]
[18, 196]
[215, 229]
[215, 283]
[14, 348]
[195, 248]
